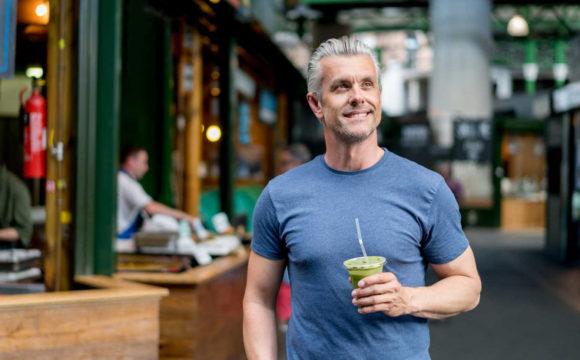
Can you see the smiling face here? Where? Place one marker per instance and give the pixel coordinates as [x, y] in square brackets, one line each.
[350, 100]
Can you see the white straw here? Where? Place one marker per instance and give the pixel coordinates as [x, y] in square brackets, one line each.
[362, 247]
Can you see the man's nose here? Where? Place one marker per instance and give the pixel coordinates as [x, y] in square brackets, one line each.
[357, 96]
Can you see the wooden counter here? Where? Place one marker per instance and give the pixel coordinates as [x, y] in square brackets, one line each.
[202, 316]
[522, 214]
[118, 319]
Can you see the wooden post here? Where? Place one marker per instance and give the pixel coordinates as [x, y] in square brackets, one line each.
[193, 135]
[59, 182]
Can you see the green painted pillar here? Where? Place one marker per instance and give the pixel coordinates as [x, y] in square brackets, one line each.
[530, 67]
[227, 104]
[560, 68]
[99, 68]
[166, 193]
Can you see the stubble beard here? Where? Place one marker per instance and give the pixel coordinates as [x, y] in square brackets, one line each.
[341, 131]
[345, 135]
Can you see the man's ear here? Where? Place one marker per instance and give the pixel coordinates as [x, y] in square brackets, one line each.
[314, 104]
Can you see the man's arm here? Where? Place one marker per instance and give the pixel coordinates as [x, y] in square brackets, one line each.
[155, 207]
[457, 291]
[262, 285]
[9, 234]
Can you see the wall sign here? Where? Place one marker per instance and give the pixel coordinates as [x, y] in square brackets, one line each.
[268, 107]
[472, 140]
[244, 122]
[7, 37]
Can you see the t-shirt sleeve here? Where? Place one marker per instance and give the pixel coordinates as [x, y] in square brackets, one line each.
[266, 239]
[135, 195]
[444, 240]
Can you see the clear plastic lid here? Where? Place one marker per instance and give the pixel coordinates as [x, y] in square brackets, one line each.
[364, 263]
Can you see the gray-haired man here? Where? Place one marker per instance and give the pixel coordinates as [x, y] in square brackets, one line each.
[305, 218]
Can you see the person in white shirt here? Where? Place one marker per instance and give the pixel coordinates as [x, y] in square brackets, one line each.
[132, 198]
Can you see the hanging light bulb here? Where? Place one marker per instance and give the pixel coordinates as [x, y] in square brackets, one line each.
[518, 26]
[213, 133]
[41, 9]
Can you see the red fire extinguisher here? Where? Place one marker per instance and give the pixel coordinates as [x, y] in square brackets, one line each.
[35, 136]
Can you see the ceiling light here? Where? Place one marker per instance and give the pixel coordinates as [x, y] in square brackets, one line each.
[41, 9]
[518, 26]
[34, 72]
[213, 133]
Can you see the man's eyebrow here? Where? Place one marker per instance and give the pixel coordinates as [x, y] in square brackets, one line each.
[336, 82]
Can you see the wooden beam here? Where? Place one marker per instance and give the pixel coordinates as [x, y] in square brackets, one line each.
[57, 256]
[193, 137]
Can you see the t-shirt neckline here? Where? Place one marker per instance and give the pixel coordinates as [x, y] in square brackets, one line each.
[356, 172]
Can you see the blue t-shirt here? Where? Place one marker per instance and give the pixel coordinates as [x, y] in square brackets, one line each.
[407, 214]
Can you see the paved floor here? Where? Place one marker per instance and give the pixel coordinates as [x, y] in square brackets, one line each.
[530, 306]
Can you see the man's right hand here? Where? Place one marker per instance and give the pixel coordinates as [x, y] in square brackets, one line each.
[264, 277]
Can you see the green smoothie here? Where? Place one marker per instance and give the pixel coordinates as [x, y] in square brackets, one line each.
[362, 267]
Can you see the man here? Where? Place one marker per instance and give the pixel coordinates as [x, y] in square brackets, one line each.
[306, 218]
[444, 169]
[132, 198]
[15, 213]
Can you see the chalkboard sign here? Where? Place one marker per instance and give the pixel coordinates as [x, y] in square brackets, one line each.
[415, 135]
[415, 140]
[472, 140]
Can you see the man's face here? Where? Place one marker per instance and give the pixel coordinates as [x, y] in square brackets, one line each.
[139, 164]
[350, 103]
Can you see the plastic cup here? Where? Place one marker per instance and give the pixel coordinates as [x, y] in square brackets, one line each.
[361, 267]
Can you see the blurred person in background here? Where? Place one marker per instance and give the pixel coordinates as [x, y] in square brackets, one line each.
[444, 169]
[132, 198]
[15, 211]
[292, 156]
[289, 158]
[305, 218]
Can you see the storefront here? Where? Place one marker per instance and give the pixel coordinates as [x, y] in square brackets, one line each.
[207, 93]
[226, 106]
[209, 96]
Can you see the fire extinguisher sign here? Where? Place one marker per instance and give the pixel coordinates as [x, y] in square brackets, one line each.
[37, 133]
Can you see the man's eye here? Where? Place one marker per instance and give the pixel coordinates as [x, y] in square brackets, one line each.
[367, 84]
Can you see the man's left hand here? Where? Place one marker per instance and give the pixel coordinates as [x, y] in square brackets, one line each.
[383, 292]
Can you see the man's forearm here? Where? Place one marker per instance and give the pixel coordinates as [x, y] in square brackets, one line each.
[155, 207]
[445, 298]
[259, 331]
[9, 234]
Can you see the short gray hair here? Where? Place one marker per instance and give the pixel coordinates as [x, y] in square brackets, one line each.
[345, 46]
